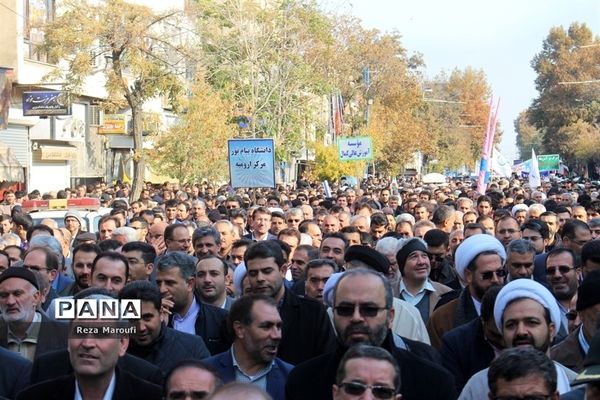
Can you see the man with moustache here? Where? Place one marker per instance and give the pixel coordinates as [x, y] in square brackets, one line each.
[256, 326]
[363, 314]
[527, 315]
[83, 260]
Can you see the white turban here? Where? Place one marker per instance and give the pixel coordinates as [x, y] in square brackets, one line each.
[328, 289]
[238, 277]
[474, 245]
[530, 289]
[519, 207]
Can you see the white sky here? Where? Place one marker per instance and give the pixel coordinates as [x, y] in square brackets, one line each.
[499, 37]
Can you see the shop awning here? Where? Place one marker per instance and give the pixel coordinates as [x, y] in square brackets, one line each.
[10, 168]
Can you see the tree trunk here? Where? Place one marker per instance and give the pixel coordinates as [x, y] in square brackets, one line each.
[139, 159]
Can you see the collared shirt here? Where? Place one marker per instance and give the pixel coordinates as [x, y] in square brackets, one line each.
[585, 346]
[187, 323]
[108, 395]
[259, 379]
[26, 347]
[477, 305]
[415, 299]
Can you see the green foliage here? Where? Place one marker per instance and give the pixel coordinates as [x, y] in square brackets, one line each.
[568, 102]
[327, 165]
[145, 54]
[528, 136]
[196, 148]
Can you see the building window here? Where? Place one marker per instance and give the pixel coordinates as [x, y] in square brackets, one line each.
[37, 13]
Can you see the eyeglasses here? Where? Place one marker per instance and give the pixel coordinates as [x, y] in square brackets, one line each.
[357, 389]
[531, 397]
[436, 257]
[486, 276]
[364, 310]
[563, 269]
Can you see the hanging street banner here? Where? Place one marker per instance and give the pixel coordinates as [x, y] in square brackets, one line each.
[115, 124]
[6, 79]
[45, 103]
[251, 163]
[355, 148]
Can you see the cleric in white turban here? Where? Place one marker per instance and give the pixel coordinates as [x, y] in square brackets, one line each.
[526, 289]
[474, 245]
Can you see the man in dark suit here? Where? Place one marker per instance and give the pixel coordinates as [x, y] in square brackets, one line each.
[175, 279]
[256, 326]
[152, 340]
[471, 347]
[14, 373]
[260, 225]
[363, 314]
[94, 360]
[22, 328]
[306, 329]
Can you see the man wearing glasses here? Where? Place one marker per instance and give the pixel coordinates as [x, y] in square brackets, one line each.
[479, 263]
[362, 315]
[563, 273]
[367, 368]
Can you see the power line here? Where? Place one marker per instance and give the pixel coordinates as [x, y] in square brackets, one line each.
[11, 10]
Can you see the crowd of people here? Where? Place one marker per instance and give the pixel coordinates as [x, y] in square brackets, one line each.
[386, 290]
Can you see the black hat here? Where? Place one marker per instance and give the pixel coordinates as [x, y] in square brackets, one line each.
[588, 294]
[20, 272]
[369, 256]
[409, 247]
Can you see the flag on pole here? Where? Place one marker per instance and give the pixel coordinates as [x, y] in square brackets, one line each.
[534, 175]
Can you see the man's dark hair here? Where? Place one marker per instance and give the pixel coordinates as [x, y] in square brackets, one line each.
[265, 249]
[113, 256]
[173, 203]
[570, 228]
[436, 238]
[147, 250]
[203, 231]
[211, 257]
[241, 310]
[537, 225]
[349, 229]
[441, 214]
[241, 243]
[311, 251]
[371, 352]
[378, 219]
[177, 259]
[140, 220]
[562, 250]
[477, 225]
[109, 245]
[520, 246]
[521, 362]
[319, 262]
[51, 257]
[38, 227]
[142, 290]
[170, 230]
[590, 251]
[108, 218]
[86, 248]
[338, 235]
[23, 220]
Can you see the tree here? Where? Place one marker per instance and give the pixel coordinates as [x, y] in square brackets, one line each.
[567, 70]
[327, 165]
[146, 54]
[260, 58]
[528, 136]
[196, 146]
